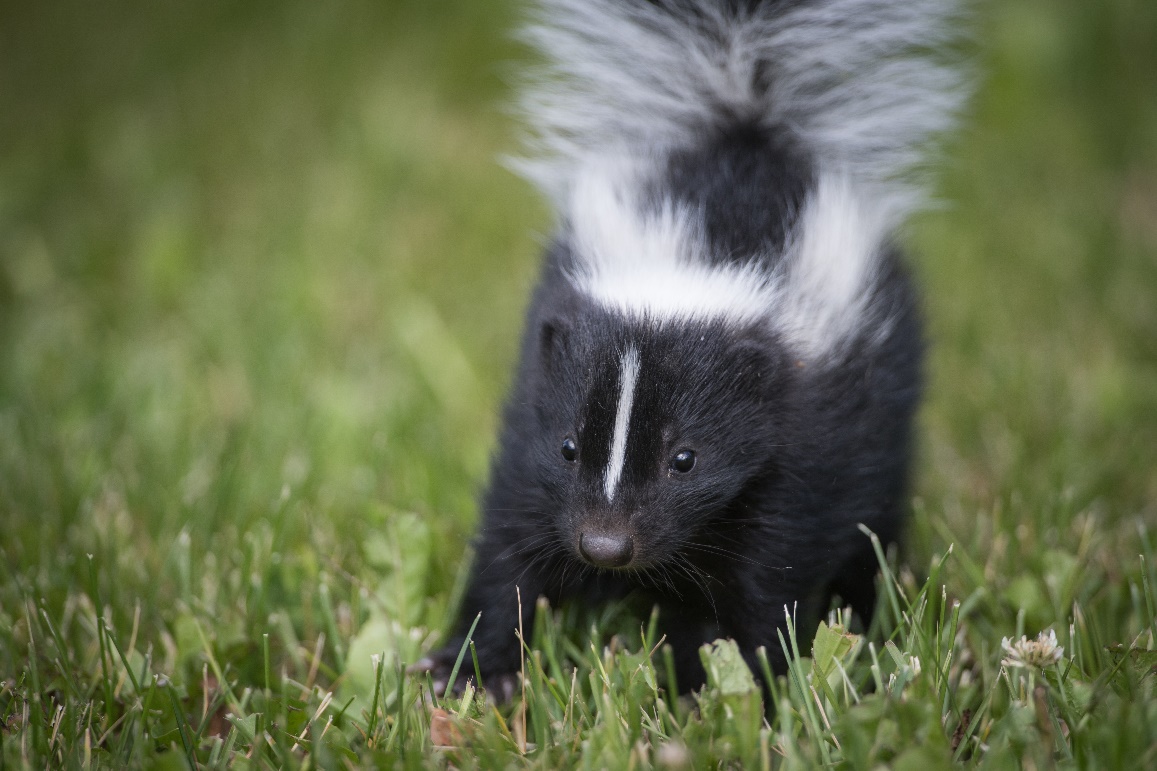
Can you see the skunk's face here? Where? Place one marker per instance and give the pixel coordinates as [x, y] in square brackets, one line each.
[650, 431]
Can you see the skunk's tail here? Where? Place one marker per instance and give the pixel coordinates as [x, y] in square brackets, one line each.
[862, 85]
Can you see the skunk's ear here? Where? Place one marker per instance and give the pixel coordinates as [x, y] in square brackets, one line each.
[755, 367]
[553, 341]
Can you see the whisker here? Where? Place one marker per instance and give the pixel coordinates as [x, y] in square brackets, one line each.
[719, 550]
[698, 577]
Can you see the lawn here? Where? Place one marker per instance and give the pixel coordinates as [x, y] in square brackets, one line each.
[261, 279]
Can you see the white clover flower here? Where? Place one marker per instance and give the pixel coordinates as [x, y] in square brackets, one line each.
[1039, 653]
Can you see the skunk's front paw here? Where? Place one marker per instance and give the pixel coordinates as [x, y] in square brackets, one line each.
[439, 664]
[501, 686]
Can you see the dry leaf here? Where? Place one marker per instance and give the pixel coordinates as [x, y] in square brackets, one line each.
[443, 731]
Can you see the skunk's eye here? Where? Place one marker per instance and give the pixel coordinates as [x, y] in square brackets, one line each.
[683, 461]
[569, 449]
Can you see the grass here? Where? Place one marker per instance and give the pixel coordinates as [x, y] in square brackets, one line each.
[260, 290]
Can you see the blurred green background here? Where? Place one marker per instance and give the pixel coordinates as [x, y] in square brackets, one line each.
[261, 280]
[260, 270]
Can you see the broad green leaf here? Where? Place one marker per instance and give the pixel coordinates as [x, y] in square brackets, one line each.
[831, 644]
[727, 672]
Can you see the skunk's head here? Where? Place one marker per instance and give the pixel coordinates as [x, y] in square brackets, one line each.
[648, 430]
[663, 364]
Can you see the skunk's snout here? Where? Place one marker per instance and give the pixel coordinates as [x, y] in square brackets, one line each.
[607, 550]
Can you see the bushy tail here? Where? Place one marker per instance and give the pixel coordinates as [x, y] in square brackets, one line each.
[863, 85]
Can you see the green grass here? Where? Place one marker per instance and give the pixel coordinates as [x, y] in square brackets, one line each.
[260, 290]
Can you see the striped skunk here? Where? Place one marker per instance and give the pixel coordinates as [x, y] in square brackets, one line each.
[722, 358]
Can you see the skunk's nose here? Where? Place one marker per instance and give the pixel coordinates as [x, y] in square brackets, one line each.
[606, 551]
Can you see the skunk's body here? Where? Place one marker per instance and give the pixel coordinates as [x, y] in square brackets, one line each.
[722, 358]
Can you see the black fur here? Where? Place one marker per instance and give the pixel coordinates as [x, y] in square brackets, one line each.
[748, 181]
[790, 459]
[791, 456]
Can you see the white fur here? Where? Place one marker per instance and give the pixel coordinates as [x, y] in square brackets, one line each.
[629, 376]
[861, 85]
[651, 264]
[829, 266]
[856, 80]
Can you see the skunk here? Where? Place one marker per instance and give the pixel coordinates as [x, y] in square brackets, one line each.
[722, 357]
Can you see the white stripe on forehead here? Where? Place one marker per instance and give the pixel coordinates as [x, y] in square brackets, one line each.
[651, 265]
[629, 375]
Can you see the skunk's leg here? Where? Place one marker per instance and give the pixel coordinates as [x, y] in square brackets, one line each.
[856, 581]
[499, 587]
[757, 618]
[686, 632]
[855, 585]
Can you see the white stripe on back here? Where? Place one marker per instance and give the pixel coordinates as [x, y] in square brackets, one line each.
[831, 266]
[630, 374]
[654, 264]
